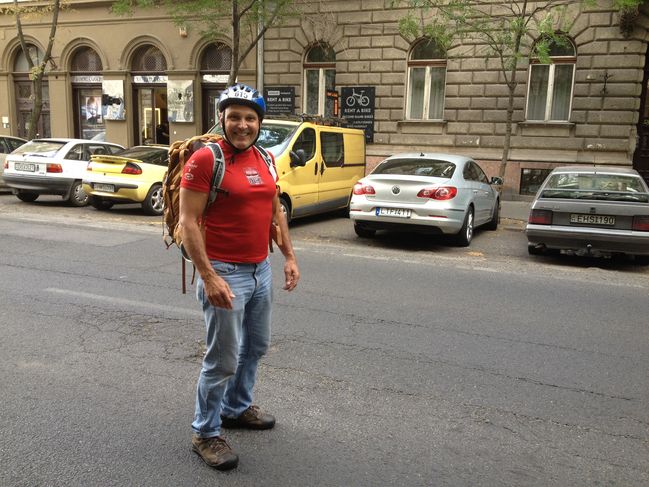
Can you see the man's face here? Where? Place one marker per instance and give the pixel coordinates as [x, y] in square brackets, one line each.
[241, 125]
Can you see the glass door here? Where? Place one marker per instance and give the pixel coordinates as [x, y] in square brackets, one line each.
[152, 126]
[89, 122]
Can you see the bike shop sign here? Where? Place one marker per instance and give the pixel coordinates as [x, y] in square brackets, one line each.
[280, 100]
[357, 107]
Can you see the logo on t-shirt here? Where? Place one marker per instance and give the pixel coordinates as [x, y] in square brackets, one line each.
[253, 176]
[189, 176]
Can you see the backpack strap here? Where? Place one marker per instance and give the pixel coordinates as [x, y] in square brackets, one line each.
[218, 171]
[268, 160]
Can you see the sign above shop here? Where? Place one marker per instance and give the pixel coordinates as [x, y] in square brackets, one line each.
[216, 78]
[280, 100]
[87, 79]
[357, 108]
[140, 79]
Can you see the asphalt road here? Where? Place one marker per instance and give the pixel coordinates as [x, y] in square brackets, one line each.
[399, 361]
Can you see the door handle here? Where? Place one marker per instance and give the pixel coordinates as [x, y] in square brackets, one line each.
[322, 168]
[315, 172]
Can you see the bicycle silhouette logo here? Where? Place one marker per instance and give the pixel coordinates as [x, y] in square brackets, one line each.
[360, 98]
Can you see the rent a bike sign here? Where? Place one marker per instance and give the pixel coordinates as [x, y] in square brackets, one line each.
[357, 107]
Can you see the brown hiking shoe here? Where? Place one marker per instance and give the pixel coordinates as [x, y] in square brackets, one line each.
[252, 419]
[215, 452]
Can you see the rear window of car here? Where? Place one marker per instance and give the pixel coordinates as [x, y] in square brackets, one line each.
[42, 147]
[416, 167]
[147, 155]
[609, 187]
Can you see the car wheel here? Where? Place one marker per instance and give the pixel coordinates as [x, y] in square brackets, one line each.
[78, 197]
[493, 223]
[286, 209]
[153, 204]
[465, 235]
[364, 232]
[101, 204]
[27, 196]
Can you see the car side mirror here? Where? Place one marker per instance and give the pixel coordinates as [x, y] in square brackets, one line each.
[498, 181]
[298, 158]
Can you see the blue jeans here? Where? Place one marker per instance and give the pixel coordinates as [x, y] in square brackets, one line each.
[236, 339]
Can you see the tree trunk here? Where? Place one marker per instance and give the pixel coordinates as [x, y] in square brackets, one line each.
[236, 33]
[37, 95]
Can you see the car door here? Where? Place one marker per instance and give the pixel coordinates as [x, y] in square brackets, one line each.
[75, 161]
[485, 197]
[301, 182]
[333, 186]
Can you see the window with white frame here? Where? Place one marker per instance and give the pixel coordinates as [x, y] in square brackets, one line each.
[426, 81]
[549, 95]
[319, 77]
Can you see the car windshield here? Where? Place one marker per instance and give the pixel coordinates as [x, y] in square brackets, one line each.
[272, 136]
[416, 167]
[40, 147]
[608, 187]
[149, 155]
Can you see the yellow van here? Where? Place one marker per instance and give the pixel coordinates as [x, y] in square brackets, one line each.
[317, 164]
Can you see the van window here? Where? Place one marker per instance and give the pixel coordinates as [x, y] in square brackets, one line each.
[306, 142]
[332, 148]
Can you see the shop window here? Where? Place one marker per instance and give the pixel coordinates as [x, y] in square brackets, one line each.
[550, 85]
[24, 94]
[86, 68]
[319, 77]
[531, 180]
[426, 81]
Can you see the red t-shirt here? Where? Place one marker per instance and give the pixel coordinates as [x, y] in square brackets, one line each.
[237, 224]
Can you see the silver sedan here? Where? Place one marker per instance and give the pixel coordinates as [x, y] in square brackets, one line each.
[591, 210]
[429, 193]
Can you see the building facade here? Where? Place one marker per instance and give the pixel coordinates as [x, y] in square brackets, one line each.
[135, 79]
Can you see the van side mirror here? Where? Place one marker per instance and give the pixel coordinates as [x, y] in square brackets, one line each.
[498, 181]
[298, 158]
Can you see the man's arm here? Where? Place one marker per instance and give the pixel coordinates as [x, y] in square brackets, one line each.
[291, 270]
[192, 205]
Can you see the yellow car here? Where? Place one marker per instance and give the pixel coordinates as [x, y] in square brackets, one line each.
[132, 176]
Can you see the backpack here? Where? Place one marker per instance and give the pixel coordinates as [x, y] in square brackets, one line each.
[179, 153]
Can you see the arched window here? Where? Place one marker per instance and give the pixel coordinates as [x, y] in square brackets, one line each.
[86, 68]
[319, 77]
[426, 81]
[24, 95]
[549, 95]
[216, 61]
[148, 59]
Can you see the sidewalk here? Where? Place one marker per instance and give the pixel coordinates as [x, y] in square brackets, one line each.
[515, 210]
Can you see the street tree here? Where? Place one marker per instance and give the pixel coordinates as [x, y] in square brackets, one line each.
[508, 32]
[37, 66]
[247, 20]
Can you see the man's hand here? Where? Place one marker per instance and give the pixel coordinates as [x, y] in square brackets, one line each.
[291, 274]
[218, 292]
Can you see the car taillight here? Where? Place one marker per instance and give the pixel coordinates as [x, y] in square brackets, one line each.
[540, 217]
[360, 188]
[640, 224]
[131, 168]
[438, 193]
[54, 168]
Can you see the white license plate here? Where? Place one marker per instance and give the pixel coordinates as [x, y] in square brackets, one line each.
[108, 188]
[23, 166]
[592, 219]
[398, 212]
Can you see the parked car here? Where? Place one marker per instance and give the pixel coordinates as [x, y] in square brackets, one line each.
[7, 145]
[317, 164]
[53, 166]
[429, 193]
[132, 176]
[591, 210]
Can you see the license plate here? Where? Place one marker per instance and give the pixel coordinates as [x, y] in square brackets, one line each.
[23, 166]
[108, 188]
[592, 219]
[397, 212]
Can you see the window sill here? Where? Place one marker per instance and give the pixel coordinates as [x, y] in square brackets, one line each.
[543, 123]
[421, 122]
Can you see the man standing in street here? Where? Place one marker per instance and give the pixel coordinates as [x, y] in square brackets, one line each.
[228, 244]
